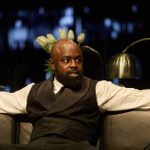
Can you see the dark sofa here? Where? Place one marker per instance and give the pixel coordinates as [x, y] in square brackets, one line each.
[128, 130]
[15, 129]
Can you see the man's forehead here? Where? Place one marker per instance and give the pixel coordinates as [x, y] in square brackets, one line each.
[70, 52]
[64, 42]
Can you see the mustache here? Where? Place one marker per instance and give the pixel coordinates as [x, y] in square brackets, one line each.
[73, 70]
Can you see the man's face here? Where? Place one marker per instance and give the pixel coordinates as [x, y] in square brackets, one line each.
[68, 65]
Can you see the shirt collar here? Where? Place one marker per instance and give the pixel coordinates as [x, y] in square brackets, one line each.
[57, 85]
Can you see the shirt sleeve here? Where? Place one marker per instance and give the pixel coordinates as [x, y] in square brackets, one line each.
[111, 97]
[15, 103]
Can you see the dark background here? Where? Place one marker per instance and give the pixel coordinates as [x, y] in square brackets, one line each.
[109, 28]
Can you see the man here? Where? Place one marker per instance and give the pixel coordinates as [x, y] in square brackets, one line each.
[70, 119]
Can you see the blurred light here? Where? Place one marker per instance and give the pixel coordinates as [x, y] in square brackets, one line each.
[27, 81]
[68, 18]
[41, 11]
[130, 28]
[107, 22]
[23, 13]
[114, 35]
[7, 88]
[17, 37]
[78, 25]
[115, 80]
[116, 26]
[48, 75]
[18, 23]
[86, 10]
[134, 8]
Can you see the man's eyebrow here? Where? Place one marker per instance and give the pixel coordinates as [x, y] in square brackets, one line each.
[68, 56]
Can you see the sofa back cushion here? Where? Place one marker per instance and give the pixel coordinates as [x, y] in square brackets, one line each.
[126, 130]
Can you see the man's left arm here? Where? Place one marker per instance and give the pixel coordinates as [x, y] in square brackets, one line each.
[111, 97]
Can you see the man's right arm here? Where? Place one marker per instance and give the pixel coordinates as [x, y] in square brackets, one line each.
[15, 103]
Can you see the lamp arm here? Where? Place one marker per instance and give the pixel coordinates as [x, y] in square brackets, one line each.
[132, 44]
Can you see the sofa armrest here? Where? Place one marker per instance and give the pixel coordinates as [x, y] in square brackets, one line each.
[24, 128]
[126, 130]
[7, 129]
[15, 129]
[24, 132]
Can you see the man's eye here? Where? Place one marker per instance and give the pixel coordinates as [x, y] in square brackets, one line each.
[65, 60]
[78, 60]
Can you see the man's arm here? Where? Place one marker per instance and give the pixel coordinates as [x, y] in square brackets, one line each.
[111, 97]
[15, 103]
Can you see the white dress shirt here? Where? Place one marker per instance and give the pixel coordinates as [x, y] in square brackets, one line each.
[110, 97]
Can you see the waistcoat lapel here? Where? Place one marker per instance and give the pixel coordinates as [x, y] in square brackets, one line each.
[68, 98]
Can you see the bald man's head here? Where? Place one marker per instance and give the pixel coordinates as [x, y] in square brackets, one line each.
[63, 44]
[67, 62]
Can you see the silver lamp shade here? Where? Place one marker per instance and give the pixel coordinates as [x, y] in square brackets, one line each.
[123, 65]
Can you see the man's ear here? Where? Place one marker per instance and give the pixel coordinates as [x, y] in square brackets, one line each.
[51, 63]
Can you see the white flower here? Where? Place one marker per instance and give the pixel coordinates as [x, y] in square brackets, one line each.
[47, 42]
[51, 38]
[80, 38]
[71, 35]
[62, 34]
[43, 42]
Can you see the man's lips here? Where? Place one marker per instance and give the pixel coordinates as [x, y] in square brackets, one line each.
[73, 73]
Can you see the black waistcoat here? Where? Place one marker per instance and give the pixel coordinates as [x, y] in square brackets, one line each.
[74, 114]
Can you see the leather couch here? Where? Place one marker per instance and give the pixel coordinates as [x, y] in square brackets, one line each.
[126, 130]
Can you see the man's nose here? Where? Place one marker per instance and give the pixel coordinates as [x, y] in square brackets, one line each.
[73, 63]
